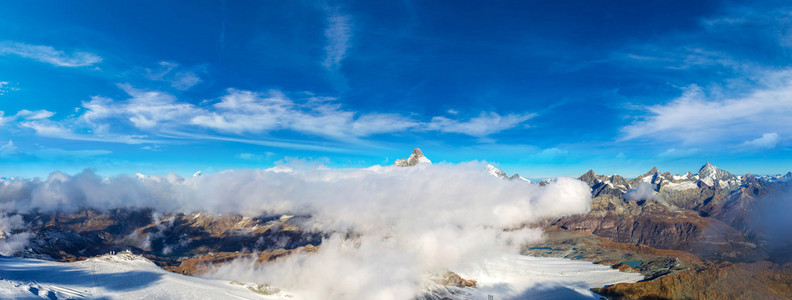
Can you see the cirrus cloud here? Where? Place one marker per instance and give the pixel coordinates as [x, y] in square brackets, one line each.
[699, 118]
[242, 115]
[50, 55]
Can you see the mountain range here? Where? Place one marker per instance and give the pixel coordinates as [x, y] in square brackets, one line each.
[708, 235]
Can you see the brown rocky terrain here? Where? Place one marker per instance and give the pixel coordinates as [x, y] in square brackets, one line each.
[760, 280]
[691, 236]
[178, 242]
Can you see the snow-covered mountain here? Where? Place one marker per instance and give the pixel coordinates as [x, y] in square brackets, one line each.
[777, 178]
[127, 276]
[498, 173]
[714, 176]
[417, 157]
[117, 276]
[708, 176]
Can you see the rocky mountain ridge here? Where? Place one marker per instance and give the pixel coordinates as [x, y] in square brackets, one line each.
[415, 158]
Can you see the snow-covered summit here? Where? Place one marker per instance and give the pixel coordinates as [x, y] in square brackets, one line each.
[417, 157]
[712, 172]
[714, 176]
[498, 173]
[777, 178]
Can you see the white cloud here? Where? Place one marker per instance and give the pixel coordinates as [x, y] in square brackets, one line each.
[34, 115]
[415, 223]
[8, 149]
[255, 157]
[5, 87]
[12, 238]
[169, 72]
[250, 156]
[405, 222]
[56, 130]
[245, 112]
[236, 116]
[49, 55]
[673, 153]
[698, 118]
[53, 153]
[644, 191]
[25, 115]
[485, 124]
[144, 110]
[185, 80]
[338, 34]
[765, 142]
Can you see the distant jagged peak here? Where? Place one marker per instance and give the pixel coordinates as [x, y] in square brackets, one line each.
[618, 180]
[711, 175]
[653, 176]
[517, 176]
[590, 178]
[417, 157]
[653, 171]
[498, 173]
[711, 171]
[777, 178]
[495, 172]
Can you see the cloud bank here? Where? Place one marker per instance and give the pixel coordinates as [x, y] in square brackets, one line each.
[388, 227]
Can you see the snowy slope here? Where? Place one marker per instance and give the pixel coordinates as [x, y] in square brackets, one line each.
[528, 277]
[120, 276]
[125, 276]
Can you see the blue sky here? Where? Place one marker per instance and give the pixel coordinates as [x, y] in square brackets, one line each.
[537, 87]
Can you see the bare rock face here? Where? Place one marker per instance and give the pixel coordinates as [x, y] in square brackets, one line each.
[417, 157]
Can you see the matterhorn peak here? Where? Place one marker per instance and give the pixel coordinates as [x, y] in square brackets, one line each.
[417, 157]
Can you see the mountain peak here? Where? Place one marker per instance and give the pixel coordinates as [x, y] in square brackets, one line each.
[712, 175]
[708, 169]
[417, 157]
[589, 178]
[495, 172]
